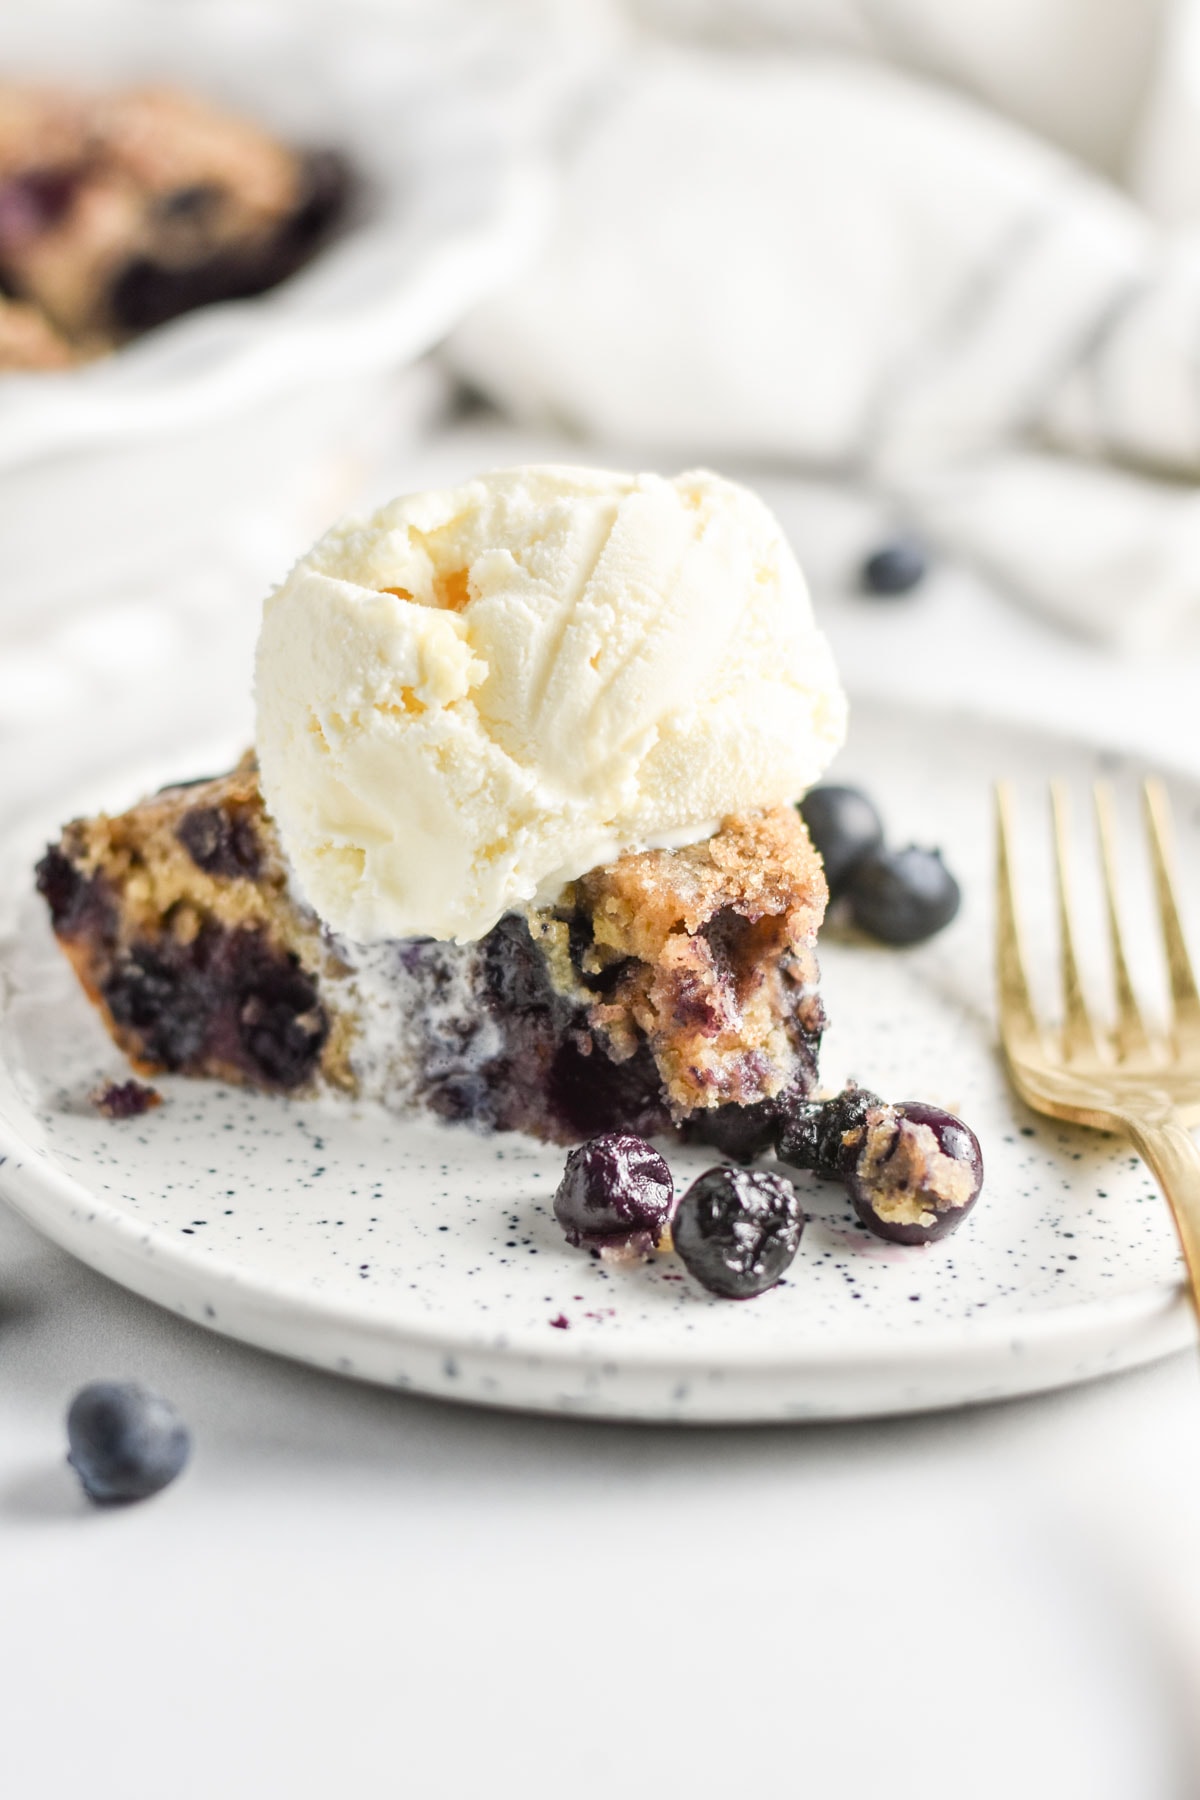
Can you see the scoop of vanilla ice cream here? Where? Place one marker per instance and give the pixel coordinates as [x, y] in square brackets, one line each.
[473, 697]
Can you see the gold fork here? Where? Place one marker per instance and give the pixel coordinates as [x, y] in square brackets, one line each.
[1144, 1084]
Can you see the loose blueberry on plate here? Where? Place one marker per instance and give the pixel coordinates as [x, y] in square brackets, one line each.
[825, 1136]
[737, 1230]
[616, 1192]
[894, 568]
[902, 896]
[124, 1442]
[843, 826]
[917, 1173]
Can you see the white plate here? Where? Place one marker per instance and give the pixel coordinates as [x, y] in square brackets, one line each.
[428, 1258]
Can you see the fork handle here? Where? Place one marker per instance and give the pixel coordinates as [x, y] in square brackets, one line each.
[1173, 1154]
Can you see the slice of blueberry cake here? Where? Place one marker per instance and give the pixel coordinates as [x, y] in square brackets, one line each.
[669, 989]
[121, 210]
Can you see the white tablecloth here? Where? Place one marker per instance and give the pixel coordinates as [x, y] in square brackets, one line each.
[361, 1594]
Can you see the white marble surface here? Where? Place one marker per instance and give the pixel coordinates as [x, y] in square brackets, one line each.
[352, 1592]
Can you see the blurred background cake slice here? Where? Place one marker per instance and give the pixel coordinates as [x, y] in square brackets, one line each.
[120, 210]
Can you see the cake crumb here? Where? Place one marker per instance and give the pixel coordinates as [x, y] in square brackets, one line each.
[125, 1099]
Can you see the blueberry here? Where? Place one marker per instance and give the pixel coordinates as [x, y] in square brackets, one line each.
[60, 884]
[843, 826]
[616, 1191]
[124, 1442]
[739, 1132]
[894, 568]
[917, 1174]
[737, 1230]
[902, 896]
[825, 1135]
[221, 841]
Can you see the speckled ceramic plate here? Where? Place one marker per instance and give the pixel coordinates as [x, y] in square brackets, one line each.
[428, 1258]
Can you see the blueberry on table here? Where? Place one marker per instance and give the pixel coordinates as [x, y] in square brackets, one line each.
[902, 896]
[737, 1230]
[895, 568]
[616, 1191]
[124, 1442]
[844, 826]
[917, 1173]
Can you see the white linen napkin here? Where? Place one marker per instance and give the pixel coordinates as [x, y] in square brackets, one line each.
[1076, 72]
[835, 264]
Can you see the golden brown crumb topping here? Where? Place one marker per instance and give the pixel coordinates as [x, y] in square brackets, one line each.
[759, 865]
[236, 872]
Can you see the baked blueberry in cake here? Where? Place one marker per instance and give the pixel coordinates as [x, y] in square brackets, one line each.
[121, 210]
[518, 846]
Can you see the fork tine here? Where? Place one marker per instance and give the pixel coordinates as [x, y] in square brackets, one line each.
[1132, 1039]
[1179, 967]
[1018, 1021]
[1078, 1034]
